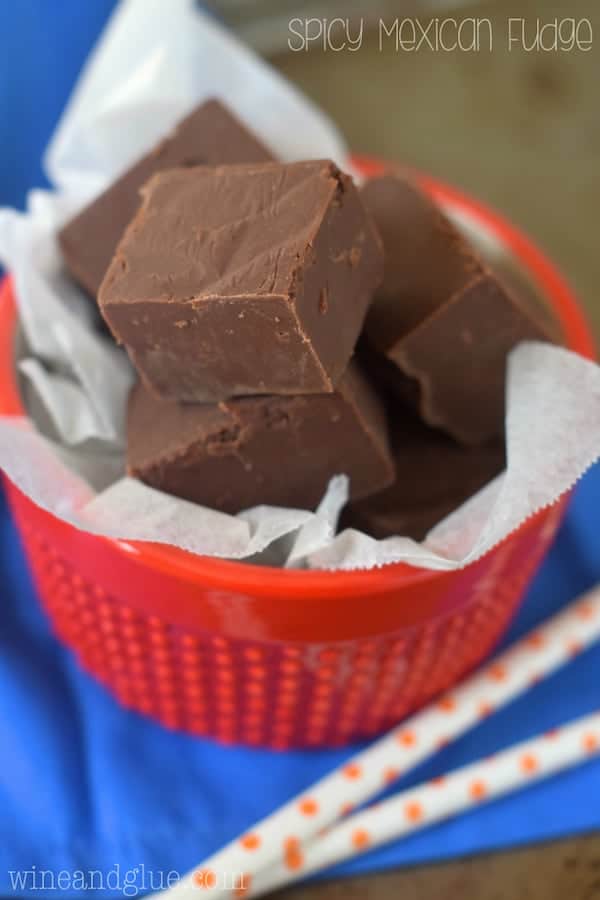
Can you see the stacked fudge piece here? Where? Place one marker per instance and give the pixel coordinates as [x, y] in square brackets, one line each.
[240, 287]
[210, 135]
[437, 337]
[239, 291]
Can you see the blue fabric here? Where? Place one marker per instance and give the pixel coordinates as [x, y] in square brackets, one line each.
[44, 46]
[85, 785]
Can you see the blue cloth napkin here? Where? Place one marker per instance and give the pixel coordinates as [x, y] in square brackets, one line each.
[94, 797]
[44, 46]
[87, 786]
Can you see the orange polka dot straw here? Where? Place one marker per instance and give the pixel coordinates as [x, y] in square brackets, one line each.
[480, 782]
[478, 789]
[413, 811]
[308, 807]
[205, 879]
[447, 704]
[529, 763]
[535, 640]
[407, 738]
[485, 709]
[360, 839]
[293, 858]
[498, 672]
[391, 774]
[250, 841]
[321, 825]
[242, 885]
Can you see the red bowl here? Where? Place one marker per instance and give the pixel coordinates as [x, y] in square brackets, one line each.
[277, 658]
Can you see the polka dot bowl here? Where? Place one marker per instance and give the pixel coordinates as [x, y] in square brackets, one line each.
[275, 658]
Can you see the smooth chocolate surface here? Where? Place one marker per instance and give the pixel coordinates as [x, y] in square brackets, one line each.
[444, 320]
[261, 450]
[426, 259]
[210, 135]
[243, 280]
[434, 476]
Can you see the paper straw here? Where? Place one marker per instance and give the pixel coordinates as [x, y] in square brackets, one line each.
[409, 811]
[531, 659]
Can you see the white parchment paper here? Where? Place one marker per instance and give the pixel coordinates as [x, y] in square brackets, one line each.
[149, 70]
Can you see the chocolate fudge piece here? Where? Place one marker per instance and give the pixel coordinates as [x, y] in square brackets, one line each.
[261, 450]
[441, 316]
[243, 280]
[518, 282]
[435, 475]
[209, 135]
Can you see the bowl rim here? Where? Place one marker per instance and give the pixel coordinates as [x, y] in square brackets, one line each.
[270, 580]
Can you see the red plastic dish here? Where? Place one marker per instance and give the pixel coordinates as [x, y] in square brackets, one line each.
[271, 657]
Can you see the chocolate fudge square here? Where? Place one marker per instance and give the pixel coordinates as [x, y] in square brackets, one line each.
[441, 316]
[261, 450]
[243, 280]
[210, 135]
[434, 476]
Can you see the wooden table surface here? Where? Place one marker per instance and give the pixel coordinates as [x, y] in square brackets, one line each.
[521, 131]
[567, 870]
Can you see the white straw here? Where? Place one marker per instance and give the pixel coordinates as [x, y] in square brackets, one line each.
[536, 656]
[412, 810]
